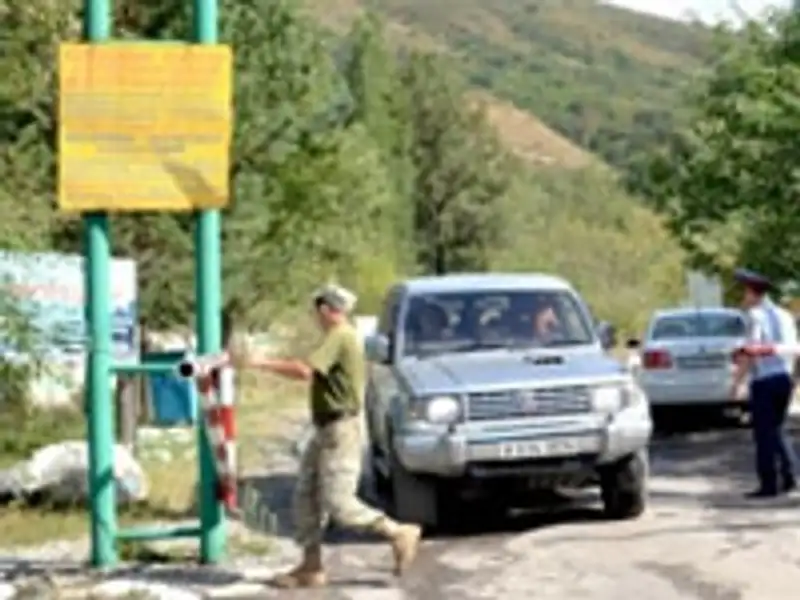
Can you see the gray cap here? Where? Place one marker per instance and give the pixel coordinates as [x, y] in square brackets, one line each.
[337, 297]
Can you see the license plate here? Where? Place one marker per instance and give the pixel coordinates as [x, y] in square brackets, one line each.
[701, 362]
[547, 448]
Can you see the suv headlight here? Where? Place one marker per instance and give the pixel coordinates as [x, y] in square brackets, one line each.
[440, 410]
[613, 398]
[607, 399]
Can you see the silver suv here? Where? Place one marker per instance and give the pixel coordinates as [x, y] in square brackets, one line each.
[495, 387]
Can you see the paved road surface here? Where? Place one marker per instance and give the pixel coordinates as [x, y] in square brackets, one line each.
[699, 540]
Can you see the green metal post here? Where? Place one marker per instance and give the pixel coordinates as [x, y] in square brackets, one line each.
[208, 293]
[97, 251]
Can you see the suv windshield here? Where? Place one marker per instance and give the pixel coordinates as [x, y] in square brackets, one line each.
[469, 321]
[698, 325]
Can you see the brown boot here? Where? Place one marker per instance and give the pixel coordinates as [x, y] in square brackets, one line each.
[308, 574]
[404, 538]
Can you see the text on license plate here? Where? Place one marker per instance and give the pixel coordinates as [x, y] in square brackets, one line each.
[567, 446]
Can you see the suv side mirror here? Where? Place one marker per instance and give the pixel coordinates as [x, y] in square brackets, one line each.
[607, 334]
[377, 348]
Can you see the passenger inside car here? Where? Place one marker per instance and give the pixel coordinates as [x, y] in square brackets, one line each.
[545, 323]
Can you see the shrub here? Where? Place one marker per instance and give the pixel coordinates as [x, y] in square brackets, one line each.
[23, 426]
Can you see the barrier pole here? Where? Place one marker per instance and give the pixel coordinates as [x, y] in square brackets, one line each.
[97, 252]
[208, 296]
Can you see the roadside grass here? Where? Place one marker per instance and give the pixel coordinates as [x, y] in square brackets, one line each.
[264, 404]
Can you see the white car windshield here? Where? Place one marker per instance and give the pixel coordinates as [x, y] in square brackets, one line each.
[698, 325]
[473, 321]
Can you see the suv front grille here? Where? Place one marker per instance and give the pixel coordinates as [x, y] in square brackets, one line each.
[538, 402]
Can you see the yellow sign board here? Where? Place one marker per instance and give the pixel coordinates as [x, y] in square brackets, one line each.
[144, 127]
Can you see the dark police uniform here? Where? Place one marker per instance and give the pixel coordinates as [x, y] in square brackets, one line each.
[771, 389]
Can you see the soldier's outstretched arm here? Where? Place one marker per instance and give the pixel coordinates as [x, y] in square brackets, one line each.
[291, 368]
[320, 360]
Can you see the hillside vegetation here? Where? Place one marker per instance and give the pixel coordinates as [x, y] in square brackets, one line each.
[727, 183]
[351, 161]
[567, 85]
[607, 78]
[530, 139]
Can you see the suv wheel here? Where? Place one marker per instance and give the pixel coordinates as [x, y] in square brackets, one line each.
[623, 486]
[413, 499]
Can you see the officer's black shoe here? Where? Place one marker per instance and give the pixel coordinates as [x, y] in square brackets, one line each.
[761, 493]
[789, 486]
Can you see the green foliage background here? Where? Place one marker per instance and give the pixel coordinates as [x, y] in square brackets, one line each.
[608, 78]
[727, 181]
[360, 160]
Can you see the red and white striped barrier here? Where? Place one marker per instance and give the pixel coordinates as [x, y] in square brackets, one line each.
[213, 376]
[196, 367]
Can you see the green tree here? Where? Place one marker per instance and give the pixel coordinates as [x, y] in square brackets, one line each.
[581, 225]
[728, 184]
[380, 104]
[306, 187]
[372, 71]
[29, 33]
[461, 171]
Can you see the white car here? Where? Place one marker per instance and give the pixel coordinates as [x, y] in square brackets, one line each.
[686, 358]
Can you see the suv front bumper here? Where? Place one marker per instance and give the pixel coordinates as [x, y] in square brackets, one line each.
[449, 452]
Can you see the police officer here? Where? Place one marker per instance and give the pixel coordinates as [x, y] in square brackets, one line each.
[330, 466]
[770, 328]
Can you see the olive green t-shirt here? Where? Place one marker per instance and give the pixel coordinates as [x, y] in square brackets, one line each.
[338, 382]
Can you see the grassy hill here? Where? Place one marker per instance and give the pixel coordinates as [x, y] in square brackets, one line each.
[607, 78]
[532, 140]
[569, 85]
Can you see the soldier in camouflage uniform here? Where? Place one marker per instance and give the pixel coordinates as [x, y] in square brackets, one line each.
[330, 467]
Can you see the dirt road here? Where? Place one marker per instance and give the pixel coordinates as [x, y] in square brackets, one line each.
[699, 540]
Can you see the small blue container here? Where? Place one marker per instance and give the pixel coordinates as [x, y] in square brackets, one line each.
[173, 398]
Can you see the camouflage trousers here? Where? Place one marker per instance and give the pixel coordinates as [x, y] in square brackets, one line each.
[327, 484]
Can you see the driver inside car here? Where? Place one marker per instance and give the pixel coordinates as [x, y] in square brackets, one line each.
[427, 323]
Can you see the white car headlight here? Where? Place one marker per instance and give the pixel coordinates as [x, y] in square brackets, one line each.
[442, 410]
[607, 399]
